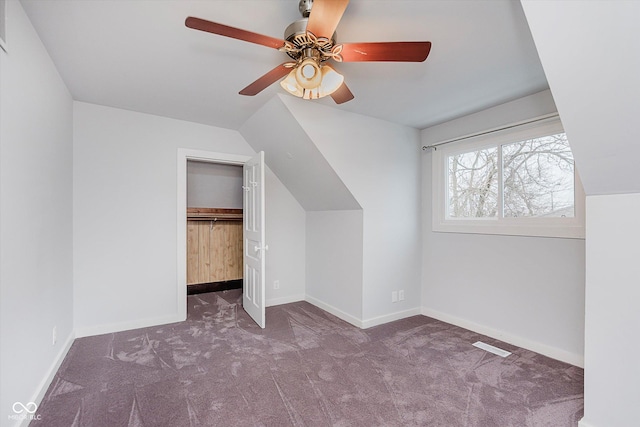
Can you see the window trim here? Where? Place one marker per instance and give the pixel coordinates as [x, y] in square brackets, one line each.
[572, 228]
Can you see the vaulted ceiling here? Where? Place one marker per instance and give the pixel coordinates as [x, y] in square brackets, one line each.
[138, 55]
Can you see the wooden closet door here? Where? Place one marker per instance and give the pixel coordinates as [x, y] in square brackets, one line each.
[193, 254]
[214, 251]
[233, 250]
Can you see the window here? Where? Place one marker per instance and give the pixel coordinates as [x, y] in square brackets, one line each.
[517, 181]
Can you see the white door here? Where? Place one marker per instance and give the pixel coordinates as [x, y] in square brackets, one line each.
[253, 236]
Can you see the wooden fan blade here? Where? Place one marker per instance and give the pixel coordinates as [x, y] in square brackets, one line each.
[265, 81]
[342, 95]
[325, 16]
[386, 51]
[232, 32]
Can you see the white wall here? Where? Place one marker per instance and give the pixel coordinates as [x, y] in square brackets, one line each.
[334, 262]
[214, 185]
[525, 290]
[379, 162]
[125, 187]
[594, 79]
[36, 292]
[285, 235]
[528, 107]
[613, 320]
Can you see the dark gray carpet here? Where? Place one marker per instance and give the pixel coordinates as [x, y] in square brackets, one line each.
[307, 368]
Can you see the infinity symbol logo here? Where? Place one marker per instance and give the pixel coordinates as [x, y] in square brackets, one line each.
[19, 407]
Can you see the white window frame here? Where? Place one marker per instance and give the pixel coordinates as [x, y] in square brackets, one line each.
[521, 226]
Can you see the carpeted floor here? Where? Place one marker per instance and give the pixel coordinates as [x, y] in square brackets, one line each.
[307, 368]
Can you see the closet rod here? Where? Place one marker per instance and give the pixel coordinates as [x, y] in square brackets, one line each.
[498, 129]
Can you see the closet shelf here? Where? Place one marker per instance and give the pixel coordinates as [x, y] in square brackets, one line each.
[209, 214]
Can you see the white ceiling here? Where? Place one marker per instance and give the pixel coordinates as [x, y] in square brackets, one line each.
[138, 55]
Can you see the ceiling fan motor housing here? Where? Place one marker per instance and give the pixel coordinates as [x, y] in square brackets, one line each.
[296, 33]
[305, 7]
[296, 28]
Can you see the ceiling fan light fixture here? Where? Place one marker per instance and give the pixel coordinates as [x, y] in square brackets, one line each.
[330, 81]
[290, 84]
[308, 74]
[311, 94]
[310, 42]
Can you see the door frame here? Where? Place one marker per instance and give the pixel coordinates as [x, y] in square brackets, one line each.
[184, 155]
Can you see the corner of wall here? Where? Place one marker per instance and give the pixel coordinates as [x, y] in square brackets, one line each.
[50, 374]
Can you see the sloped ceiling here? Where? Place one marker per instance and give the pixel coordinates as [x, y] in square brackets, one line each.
[295, 159]
[595, 80]
[138, 55]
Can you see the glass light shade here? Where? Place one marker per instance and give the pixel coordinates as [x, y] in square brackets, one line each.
[330, 81]
[308, 74]
[291, 85]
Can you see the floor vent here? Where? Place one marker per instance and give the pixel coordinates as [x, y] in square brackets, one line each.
[491, 349]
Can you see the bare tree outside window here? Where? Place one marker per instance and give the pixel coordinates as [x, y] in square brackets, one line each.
[537, 180]
[538, 177]
[473, 184]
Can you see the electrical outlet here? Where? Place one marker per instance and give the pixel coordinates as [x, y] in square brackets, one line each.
[54, 335]
[276, 284]
[394, 296]
[401, 295]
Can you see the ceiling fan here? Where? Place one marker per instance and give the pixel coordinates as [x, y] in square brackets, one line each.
[310, 42]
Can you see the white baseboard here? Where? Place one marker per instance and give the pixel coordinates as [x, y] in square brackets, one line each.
[552, 352]
[126, 326]
[362, 324]
[284, 300]
[51, 373]
[336, 312]
[379, 320]
[582, 423]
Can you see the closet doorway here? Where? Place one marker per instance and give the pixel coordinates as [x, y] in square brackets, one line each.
[214, 227]
[253, 228]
